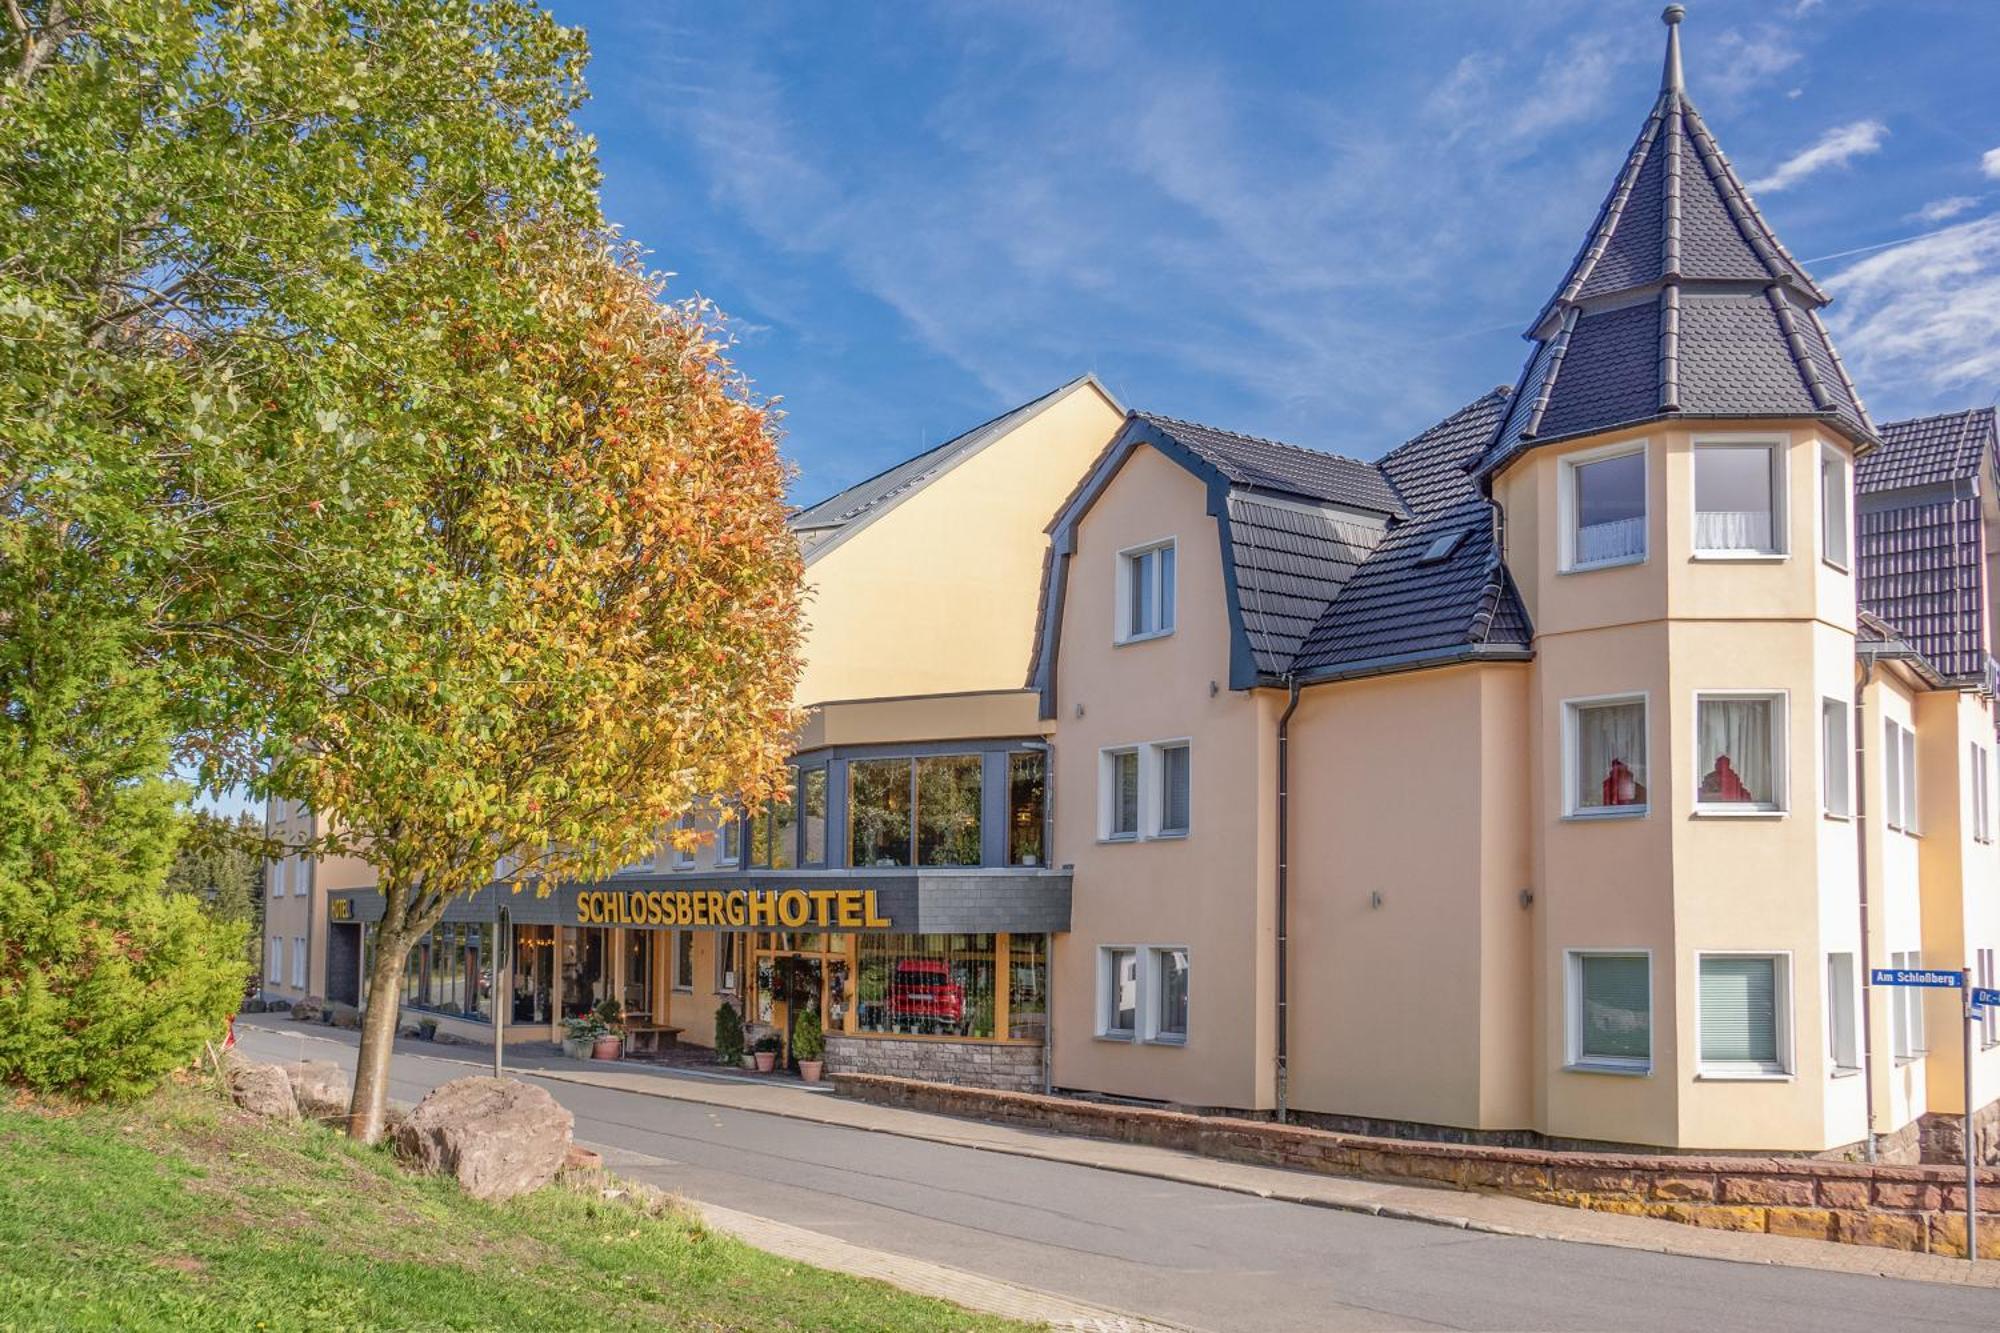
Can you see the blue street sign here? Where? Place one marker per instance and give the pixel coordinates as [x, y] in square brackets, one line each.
[1915, 976]
[1981, 997]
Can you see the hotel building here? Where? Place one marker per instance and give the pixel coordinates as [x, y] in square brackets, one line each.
[1557, 777]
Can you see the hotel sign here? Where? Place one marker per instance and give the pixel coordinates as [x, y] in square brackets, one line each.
[788, 909]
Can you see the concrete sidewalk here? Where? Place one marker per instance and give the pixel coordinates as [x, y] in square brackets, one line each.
[1492, 1213]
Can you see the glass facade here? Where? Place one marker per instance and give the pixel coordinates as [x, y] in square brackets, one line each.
[934, 985]
[878, 811]
[450, 972]
[1027, 796]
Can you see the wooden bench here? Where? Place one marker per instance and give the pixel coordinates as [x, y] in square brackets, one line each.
[650, 1037]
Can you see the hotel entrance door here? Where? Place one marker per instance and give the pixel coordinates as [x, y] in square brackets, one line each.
[801, 986]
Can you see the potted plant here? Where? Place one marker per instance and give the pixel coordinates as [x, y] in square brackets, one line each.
[809, 1045]
[610, 1042]
[766, 1051]
[579, 1035]
[427, 1028]
[728, 1035]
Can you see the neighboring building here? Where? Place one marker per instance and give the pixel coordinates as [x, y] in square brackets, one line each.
[1557, 777]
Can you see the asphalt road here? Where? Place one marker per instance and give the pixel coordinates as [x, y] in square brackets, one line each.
[1207, 1258]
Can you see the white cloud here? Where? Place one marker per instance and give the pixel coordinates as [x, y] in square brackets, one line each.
[1737, 63]
[1837, 147]
[1943, 210]
[1990, 163]
[1925, 315]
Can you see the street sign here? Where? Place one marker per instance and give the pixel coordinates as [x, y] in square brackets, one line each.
[1915, 976]
[1981, 997]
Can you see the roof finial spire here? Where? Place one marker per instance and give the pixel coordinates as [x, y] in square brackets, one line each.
[1670, 77]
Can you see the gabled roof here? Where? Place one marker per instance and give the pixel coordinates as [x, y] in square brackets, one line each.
[1925, 451]
[822, 526]
[1681, 303]
[1260, 464]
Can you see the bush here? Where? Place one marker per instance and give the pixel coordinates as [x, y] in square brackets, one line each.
[808, 1042]
[728, 1035]
[610, 1014]
[769, 1043]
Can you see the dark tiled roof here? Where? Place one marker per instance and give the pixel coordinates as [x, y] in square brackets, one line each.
[1927, 450]
[1246, 460]
[1291, 562]
[1682, 302]
[1919, 571]
[1399, 606]
[816, 524]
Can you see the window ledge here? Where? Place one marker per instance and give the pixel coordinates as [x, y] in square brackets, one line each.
[1835, 565]
[1624, 563]
[1147, 637]
[1608, 812]
[1845, 1071]
[1742, 1076]
[1725, 812]
[1601, 1067]
[1742, 557]
[1170, 835]
[1837, 818]
[1122, 1038]
[1167, 1041]
[1118, 838]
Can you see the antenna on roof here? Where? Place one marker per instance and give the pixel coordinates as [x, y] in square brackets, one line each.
[1670, 77]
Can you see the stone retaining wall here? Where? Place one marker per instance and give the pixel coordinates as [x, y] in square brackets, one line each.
[971, 1064]
[1895, 1207]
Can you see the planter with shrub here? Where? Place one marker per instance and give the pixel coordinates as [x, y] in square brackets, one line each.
[728, 1035]
[766, 1051]
[809, 1045]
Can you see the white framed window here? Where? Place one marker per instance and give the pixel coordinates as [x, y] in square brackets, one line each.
[1739, 747]
[1982, 794]
[275, 873]
[1836, 494]
[1744, 1015]
[681, 857]
[1989, 1018]
[1899, 776]
[1906, 1010]
[274, 960]
[729, 841]
[1843, 1046]
[1604, 749]
[298, 961]
[1836, 758]
[1172, 771]
[1601, 507]
[1167, 1020]
[1146, 594]
[1118, 993]
[1118, 794]
[1739, 498]
[684, 960]
[725, 962]
[1610, 1006]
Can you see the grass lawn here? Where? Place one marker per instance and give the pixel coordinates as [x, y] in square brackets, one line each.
[180, 1211]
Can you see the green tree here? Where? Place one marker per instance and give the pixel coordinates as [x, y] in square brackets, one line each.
[219, 863]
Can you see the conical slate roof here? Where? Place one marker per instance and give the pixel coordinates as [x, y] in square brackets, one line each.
[1682, 302]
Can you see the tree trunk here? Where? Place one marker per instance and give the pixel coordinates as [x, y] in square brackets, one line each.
[369, 1109]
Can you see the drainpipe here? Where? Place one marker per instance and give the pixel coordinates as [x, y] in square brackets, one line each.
[1284, 853]
[1861, 875]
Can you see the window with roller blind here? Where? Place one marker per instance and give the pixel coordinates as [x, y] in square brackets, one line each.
[1610, 1012]
[1744, 1015]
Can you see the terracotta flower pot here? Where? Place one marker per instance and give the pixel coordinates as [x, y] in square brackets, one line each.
[766, 1061]
[810, 1070]
[607, 1047]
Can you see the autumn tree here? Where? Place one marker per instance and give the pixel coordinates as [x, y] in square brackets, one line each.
[577, 612]
[206, 206]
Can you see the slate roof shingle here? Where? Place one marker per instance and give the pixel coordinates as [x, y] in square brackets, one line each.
[1247, 460]
[1924, 451]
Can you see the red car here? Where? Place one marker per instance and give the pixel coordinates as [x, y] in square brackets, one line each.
[923, 994]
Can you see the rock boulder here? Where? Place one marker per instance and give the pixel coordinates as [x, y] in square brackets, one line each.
[321, 1089]
[309, 1010]
[500, 1138]
[263, 1090]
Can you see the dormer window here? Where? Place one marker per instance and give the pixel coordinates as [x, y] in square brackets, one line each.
[1737, 500]
[1146, 592]
[1603, 503]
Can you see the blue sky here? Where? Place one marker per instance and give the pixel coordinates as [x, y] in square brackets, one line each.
[1324, 223]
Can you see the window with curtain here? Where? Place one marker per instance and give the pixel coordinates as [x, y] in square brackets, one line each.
[1612, 1014]
[1739, 997]
[1837, 754]
[1121, 778]
[878, 811]
[1738, 751]
[1174, 775]
[1027, 793]
[1835, 492]
[948, 807]
[1608, 759]
[1147, 592]
[1170, 994]
[813, 816]
[1842, 1041]
[1608, 510]
[1734, 499]
[1027, 987]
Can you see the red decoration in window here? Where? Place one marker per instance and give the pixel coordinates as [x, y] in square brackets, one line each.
[1722, 783]
[1622, 786]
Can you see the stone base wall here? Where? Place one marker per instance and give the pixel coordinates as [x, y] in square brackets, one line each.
[1943, 1136]
[1896, 1207]
[968, 1064]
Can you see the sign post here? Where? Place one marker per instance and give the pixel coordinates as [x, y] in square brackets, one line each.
[1942, 980]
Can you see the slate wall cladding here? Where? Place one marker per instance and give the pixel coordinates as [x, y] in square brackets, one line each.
[1893, 1207]
[968, 1064]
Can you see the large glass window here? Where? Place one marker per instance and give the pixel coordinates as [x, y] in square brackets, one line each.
[1027, 791]
[813, 799]
[774, 835]
[1146, 592]
[1027, 987]
[1738, 751]
[586, 976]
[948, 796]
[878, 811]
[1740, 997]
[1735, 490]
[638, 994]
[1611, 1011]
[1608, 511]
[936, 985]
[1608, 756]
